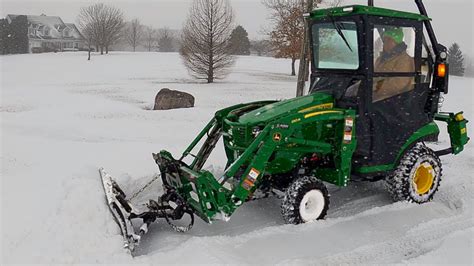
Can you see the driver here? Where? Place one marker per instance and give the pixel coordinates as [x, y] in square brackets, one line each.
[393, 58]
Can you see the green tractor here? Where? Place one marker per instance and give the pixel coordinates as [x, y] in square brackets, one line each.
[377, 76]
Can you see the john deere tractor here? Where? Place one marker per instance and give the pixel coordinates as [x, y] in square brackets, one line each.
[377, 76]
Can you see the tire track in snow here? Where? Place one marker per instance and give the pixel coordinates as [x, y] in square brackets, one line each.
[314, 242]
[419, 241]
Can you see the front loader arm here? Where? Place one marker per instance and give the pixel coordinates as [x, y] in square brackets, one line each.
[213, 131]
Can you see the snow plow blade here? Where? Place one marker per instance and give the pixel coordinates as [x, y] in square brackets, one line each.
[122, 211]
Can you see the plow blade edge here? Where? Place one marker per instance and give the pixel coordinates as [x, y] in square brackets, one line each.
[121, 210]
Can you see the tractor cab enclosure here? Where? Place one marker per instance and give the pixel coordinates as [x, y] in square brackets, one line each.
[379, 63]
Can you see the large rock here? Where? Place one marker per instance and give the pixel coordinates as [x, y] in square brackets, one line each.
[172, 99]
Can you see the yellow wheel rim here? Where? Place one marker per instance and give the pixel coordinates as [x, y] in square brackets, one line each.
[424, 178]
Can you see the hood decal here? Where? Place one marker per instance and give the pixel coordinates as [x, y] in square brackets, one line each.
[317, 107]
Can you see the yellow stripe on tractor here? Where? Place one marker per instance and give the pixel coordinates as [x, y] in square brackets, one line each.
[321, 113]
[316, 107]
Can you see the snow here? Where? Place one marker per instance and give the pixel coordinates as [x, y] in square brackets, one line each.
[63, 117]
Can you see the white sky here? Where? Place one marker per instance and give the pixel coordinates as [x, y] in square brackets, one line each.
[452, 19]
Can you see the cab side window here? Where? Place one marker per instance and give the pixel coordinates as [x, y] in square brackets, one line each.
[394, 63]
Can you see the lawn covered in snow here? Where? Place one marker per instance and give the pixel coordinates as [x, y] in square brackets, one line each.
[63, 117]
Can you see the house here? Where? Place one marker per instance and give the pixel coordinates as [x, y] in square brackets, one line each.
[50, 33]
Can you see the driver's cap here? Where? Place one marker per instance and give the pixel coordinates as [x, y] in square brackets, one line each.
[395, 33]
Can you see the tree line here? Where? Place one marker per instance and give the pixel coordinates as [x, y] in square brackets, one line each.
[208, 42]
[209, 39]
[152, 39]
[104, 26]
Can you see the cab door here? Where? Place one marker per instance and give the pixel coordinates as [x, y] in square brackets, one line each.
[397, 95]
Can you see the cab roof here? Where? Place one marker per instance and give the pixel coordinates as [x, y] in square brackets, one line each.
[365, 10]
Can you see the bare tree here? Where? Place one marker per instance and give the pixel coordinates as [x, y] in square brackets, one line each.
[150, 38]
[335, 3]
[134, 33]
[205, 38]
[303, 71]
[113, 25]
[289, 26]
[165, 40]
[102, 23]
[89, 24]
[87, 32]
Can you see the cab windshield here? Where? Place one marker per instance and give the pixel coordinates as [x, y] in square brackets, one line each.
[335, 45]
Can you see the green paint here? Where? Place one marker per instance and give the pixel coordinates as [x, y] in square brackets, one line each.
[341, 152]
[287, 107]
[395, 33]
[374, 169]
[287, 136]
[365, 10]
[457, 130]
[425, 131]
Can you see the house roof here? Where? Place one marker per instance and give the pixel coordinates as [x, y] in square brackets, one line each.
[73, 26]
[48, 21]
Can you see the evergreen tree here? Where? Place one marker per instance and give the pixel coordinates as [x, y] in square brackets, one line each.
[4, 40]
[239, 41]
[456, 60]
[18, 35]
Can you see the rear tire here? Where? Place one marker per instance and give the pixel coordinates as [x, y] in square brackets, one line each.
[305, 200]
[417, 177]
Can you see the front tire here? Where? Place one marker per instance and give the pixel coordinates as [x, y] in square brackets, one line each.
[417, 177]
[306, 200]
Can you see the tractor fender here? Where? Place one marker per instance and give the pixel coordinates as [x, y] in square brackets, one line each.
[428, 132]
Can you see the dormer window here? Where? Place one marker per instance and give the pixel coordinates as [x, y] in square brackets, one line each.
[66, 33]
[32, 31]
[46, 32]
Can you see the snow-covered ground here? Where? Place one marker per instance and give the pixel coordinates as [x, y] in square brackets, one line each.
[63, 117]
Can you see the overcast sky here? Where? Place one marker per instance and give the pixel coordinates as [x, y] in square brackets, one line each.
[452, 19]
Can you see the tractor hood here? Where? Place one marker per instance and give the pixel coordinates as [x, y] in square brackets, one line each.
[286, 107]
